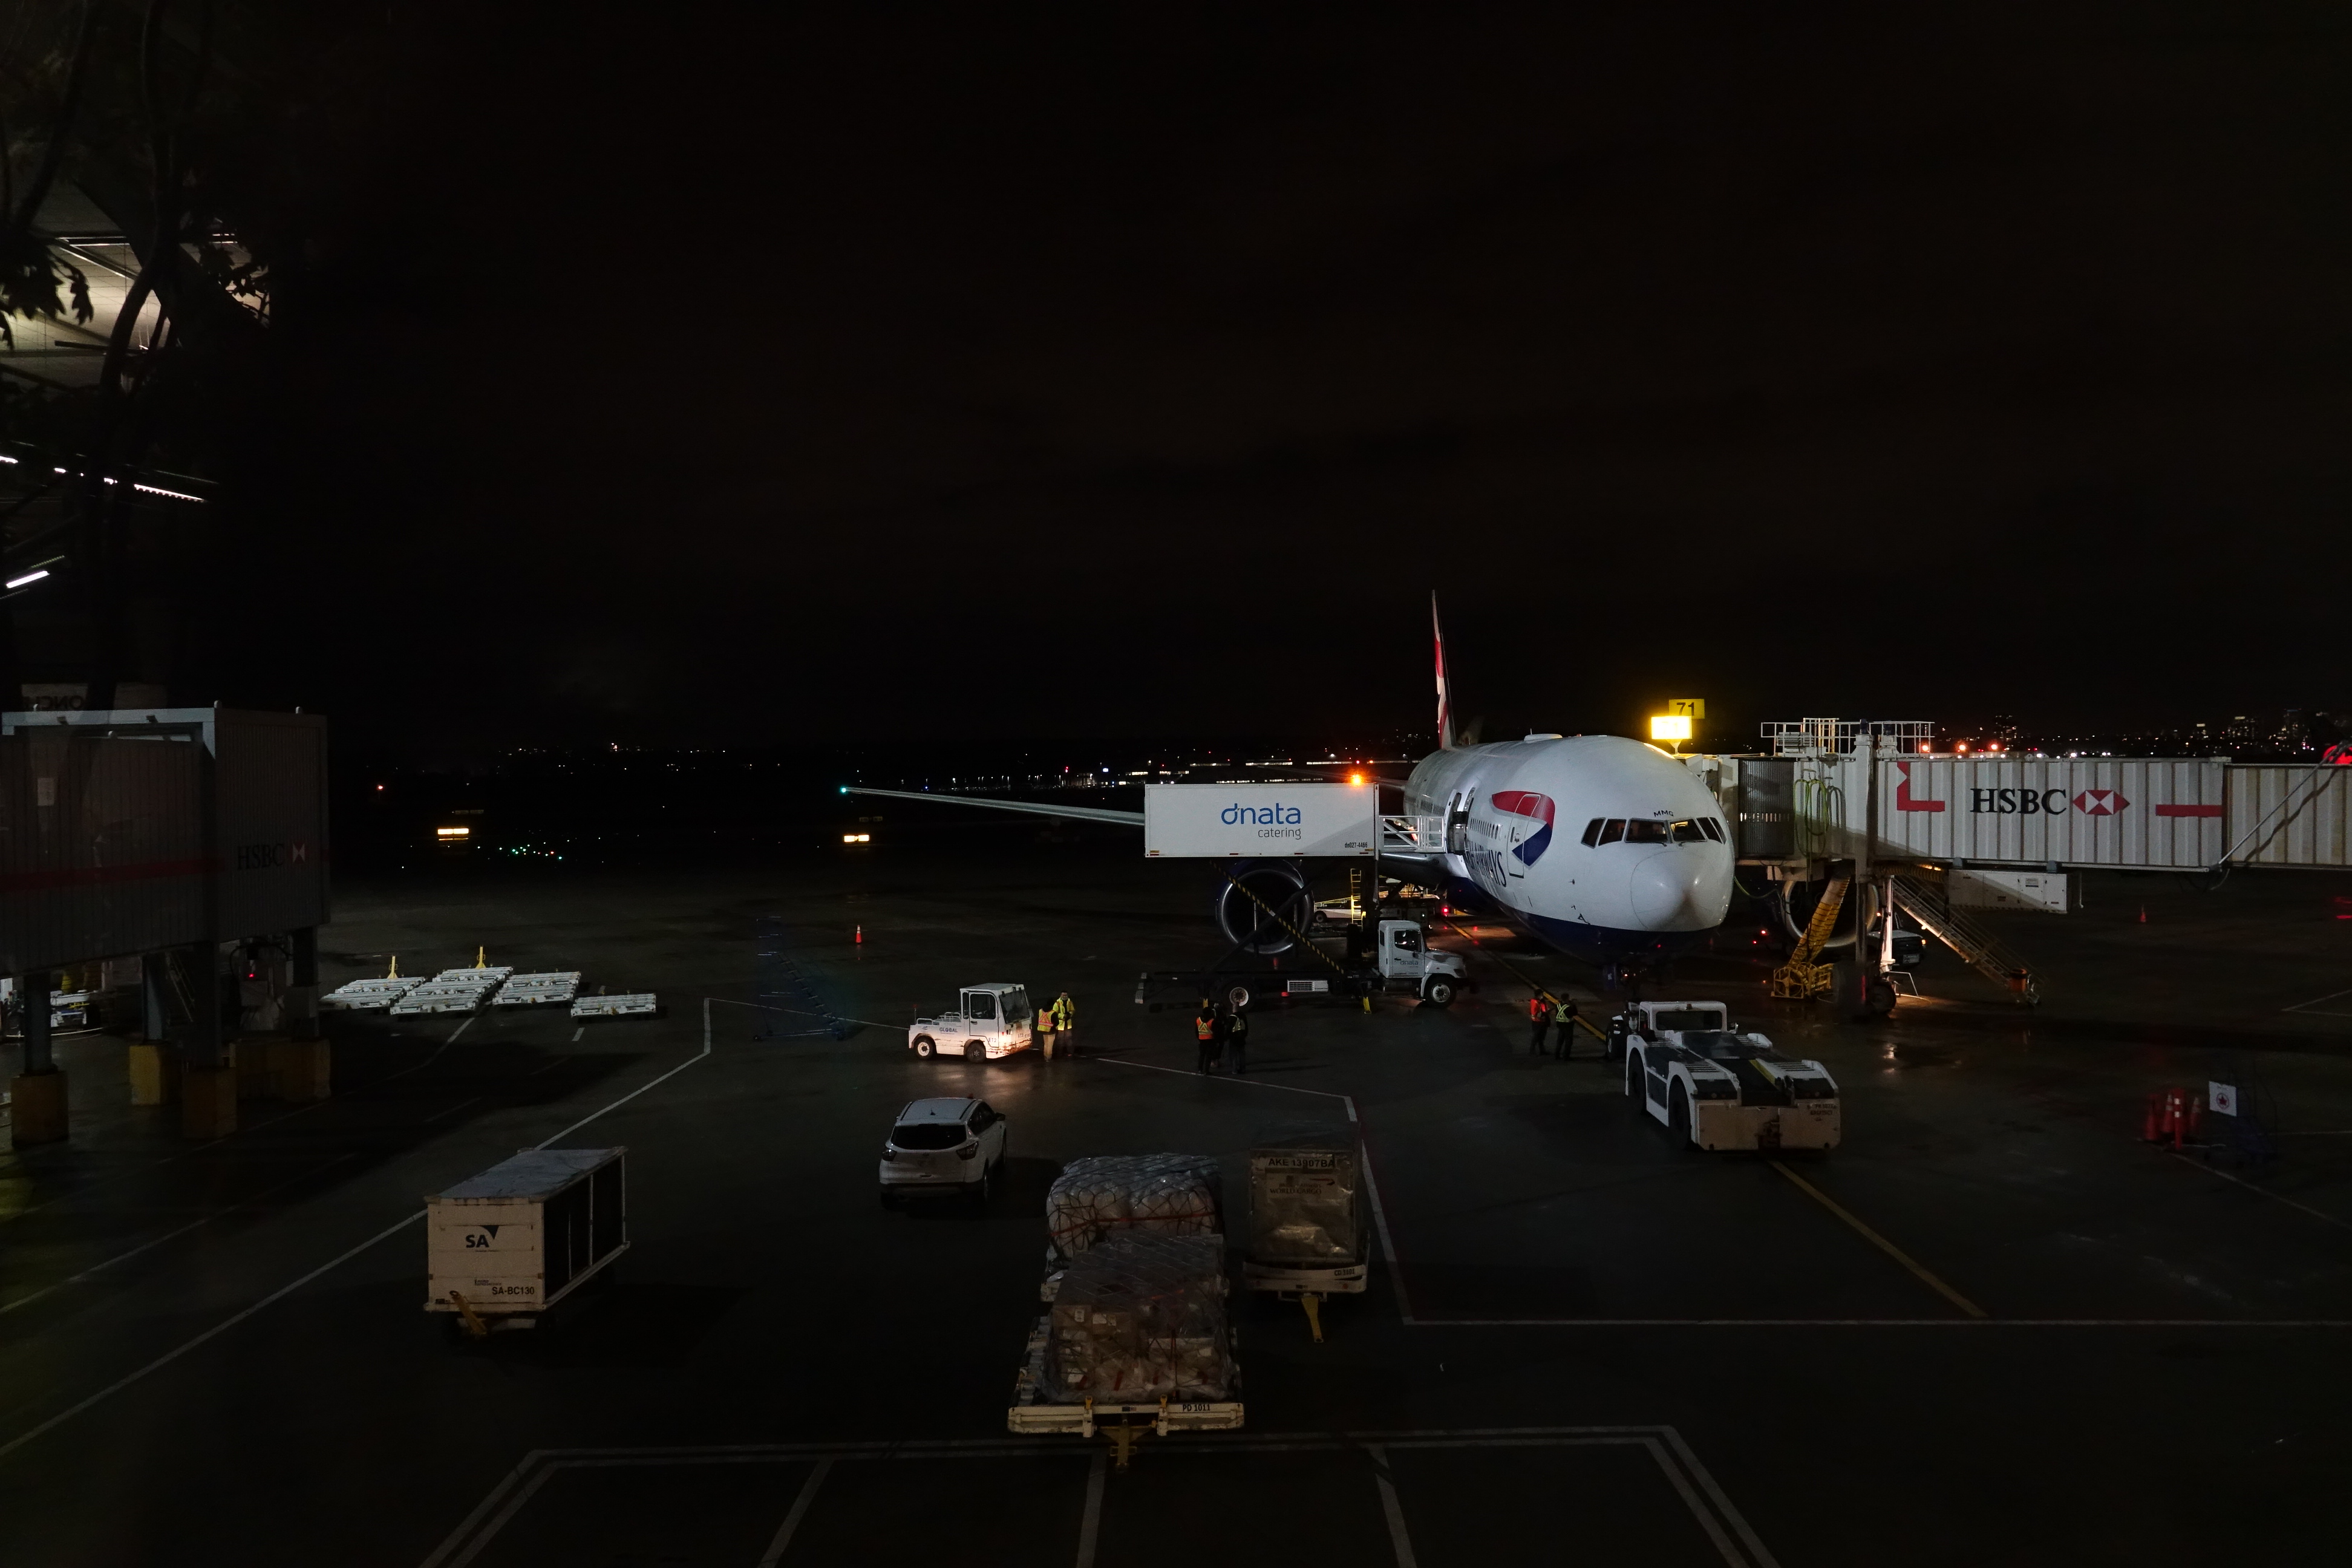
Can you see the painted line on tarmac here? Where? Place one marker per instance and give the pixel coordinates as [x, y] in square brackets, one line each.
[792, 1525]
[387, 1234]
[2315, 1001]
[2274, 1197]
[198, 1223]
[1090, 1518]
[214, 1142]
[1882, 1324]
[1710, 1508]
[1880, 1242]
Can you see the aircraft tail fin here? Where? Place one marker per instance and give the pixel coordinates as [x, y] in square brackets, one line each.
[1445, 697]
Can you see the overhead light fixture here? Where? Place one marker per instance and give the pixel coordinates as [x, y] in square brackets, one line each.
[453, 833]
[1670, 727]
[28, 577]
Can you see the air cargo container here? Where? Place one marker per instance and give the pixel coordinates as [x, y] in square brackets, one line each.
[508, 1245]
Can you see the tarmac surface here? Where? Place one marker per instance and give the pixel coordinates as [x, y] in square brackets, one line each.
[1993, 1327]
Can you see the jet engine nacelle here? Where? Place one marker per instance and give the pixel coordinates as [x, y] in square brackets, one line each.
[1249, 921]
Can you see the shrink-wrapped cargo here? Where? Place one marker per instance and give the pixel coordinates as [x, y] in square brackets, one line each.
[1306, 1203]
[1106, 1195]
[1140, 1317]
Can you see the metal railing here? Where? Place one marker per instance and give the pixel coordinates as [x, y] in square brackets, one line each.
[1978, 948]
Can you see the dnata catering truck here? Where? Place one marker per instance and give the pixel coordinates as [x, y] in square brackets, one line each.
[1715, 1087]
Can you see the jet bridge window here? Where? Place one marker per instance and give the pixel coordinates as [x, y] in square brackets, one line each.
[980, 1005]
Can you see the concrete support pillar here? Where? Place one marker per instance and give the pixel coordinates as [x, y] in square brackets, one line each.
[36, 1107]
[302, 998]
[32, 995]
[205, 1045]
[301, 1072]
[154, 991]
[208, 1098]
[154, 1073]
[36, 1111]
[255, 1058]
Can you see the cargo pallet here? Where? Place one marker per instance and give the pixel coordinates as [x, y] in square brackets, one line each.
[1125, 1425]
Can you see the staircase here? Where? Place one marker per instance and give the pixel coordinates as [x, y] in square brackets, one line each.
[1977, 946]
[1802, 977]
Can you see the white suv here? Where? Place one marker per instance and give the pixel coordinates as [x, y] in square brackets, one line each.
[941, 1146]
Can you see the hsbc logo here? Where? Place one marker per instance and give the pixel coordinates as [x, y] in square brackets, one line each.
[2045, 802]
[266, 857]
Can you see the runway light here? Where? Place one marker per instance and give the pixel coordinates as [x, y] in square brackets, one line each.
[453, 833]
[28, 577]
[1670, 727]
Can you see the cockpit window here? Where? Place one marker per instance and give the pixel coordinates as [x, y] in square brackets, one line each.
[1688, 832]
[1612, 830]
[1711, 828]
[1640, 832]
[1592, 830]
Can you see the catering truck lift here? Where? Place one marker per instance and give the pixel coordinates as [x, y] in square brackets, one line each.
[1716, 1087]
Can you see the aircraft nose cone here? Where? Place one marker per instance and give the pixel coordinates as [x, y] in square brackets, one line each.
[1674, 891]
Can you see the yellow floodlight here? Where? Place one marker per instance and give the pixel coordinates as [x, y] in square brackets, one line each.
[453, 833]
[1670, 727]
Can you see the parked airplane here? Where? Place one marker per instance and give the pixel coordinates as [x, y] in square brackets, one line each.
[1601, 847]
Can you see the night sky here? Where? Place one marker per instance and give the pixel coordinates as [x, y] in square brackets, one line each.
[1140, 371]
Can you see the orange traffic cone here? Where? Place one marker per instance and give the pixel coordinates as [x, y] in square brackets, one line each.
[2143, 914]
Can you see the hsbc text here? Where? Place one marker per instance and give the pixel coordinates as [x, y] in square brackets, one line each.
[2019, 802]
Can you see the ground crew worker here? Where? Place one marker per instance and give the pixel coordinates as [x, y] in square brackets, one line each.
[1208, 1026]
[1065, 1018]
[1042, 1027]
[1567, 1026]
[1237, 1036]
[1538, 1020]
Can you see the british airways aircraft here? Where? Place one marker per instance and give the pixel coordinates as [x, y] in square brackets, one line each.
[1601, 847]
[1605, 847]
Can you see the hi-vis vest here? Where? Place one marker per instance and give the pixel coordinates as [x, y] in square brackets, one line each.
[1206, 1028]
[1537, 1009]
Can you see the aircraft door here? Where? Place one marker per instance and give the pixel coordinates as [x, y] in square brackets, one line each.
[1458, 823]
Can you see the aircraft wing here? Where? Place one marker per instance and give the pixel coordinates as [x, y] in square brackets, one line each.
[1079, 812]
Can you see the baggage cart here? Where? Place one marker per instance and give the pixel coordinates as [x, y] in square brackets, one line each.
[1308, 1219]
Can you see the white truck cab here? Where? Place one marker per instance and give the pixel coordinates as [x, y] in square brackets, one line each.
[1406, 958]
[995, 1021]
[1716, 1087]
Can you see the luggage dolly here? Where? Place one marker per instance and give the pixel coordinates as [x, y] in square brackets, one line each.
[1308, 1286]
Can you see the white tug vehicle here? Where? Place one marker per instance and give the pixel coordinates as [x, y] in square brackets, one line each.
[995, 1021]
[1719, 1088]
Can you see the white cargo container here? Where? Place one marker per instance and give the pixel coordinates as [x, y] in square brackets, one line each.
[1224, 822]
[515, 1240]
